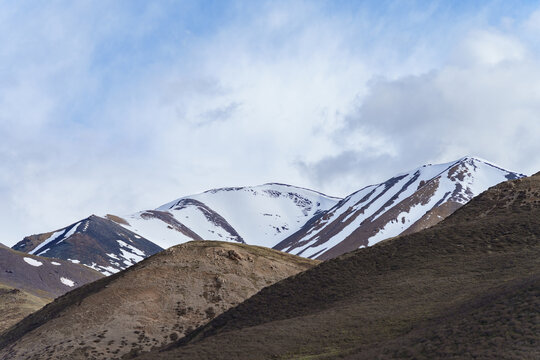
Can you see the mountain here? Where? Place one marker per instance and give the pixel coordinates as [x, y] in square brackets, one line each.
[27, 282]
[42, 276]
[403, 204]
[260, 215]
[150, 304]
[288, 218]
[96, 242]
[468, 287]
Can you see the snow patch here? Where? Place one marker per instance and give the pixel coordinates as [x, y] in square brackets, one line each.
[72, 230]
[47, 241]
[67, 282]
[155, 229]
[130, 247]
[130, 256]
[55, 263]
[32, 262]
[105, 270]
[85, 226]
[43, 252]
[113, 256]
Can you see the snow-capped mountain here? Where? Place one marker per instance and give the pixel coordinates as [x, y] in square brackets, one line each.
[405, 203]
[260, 215]
[98, 243]
[292, 219]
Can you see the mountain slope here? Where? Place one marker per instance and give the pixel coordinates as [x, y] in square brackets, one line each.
[150, 304]
[27, 282]
[259, 215]
[42, 276]
[507, 316]
[478, 269]
[405, 203]
[291, 219]
[16, 304]
[98, 243]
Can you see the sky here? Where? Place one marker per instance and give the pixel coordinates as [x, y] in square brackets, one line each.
[121, 106]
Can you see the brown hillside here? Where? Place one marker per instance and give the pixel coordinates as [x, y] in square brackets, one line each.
[42, 276]
[16, 304]
[465, 288]
[150, 304]
[28, 282]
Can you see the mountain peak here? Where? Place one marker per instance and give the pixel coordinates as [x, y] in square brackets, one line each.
[286, 217]
[258, 215]
[405, 203]
[96, 242]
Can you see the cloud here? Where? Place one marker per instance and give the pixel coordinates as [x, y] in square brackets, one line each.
[124, 106]
[533, 22]
[488, 106]
[483, 47]
[222, 113]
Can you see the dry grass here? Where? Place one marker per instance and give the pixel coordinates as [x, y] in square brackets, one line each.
[17, 304]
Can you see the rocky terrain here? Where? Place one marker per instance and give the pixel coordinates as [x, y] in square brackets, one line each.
[288, 218]
[151, 304]
[467, 287]
[405, 203]
[98, 243]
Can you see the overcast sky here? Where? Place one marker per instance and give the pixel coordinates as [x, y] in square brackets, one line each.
[120, 106]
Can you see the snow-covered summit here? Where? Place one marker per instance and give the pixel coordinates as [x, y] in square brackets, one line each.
[407, 202]
[257, 215]
[288, 218]
[96, 242]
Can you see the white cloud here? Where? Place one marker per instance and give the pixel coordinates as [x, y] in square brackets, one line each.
[491, 111]
[105, 111]
[533, 22]
[484, 47]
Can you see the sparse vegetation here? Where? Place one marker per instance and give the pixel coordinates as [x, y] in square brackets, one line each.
[196, 282]
[466, 288]
[15, 304]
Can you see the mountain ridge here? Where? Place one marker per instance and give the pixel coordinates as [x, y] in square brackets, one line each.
[405, 203]
[95, 242]
[478, 269]
[258, 215]
[284, 217]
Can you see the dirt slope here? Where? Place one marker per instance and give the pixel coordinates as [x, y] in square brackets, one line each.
[28, 282]
[467, 287]
[150, 304]
[16, 304]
